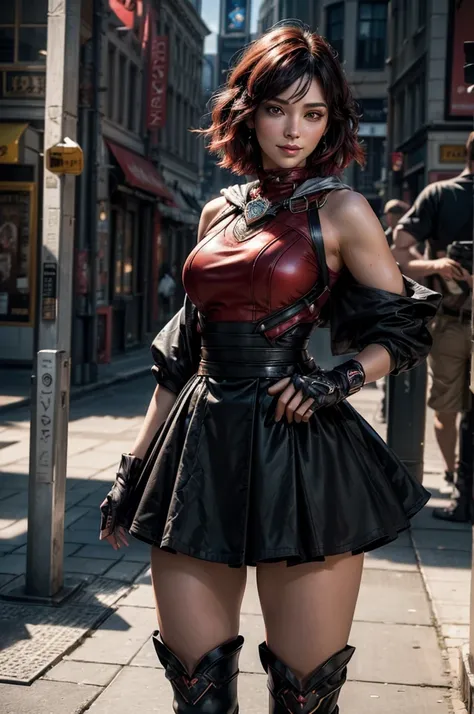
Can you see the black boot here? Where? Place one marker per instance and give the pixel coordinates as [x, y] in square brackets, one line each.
[212, 687]
[319, 691]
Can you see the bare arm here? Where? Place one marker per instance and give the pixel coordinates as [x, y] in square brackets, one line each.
[162, 400]
[415, 266]
[364, 250]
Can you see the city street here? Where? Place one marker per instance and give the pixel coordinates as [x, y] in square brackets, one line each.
[95, 652]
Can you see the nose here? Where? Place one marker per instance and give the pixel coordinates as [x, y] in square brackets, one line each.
[292, 131]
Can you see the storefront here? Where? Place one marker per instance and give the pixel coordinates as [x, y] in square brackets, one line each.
[19, 225]
[135, 245]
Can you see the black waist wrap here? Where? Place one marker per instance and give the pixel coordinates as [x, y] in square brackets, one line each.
[235, 350]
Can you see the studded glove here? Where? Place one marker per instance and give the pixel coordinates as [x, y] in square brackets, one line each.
[328, 388]
[114, 509]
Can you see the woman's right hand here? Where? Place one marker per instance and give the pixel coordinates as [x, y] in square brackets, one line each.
[113, 534]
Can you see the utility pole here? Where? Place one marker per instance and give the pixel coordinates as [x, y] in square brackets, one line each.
[50, 413]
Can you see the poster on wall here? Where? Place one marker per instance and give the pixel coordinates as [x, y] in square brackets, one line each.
[17, 253]
[235, 16]
[460, 103]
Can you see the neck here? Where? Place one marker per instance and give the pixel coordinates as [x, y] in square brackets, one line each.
[277, 184]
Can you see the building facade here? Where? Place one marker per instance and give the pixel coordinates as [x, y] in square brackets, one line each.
[430, 109]
[272, 11]
[138, 201]
[358, 31]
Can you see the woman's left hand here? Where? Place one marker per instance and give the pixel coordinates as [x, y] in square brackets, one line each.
[291, 403]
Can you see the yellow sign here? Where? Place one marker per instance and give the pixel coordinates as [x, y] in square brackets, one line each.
[10, 135]
[65, 158]
[452, 154]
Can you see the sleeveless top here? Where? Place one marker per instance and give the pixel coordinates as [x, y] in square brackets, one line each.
[245, 281]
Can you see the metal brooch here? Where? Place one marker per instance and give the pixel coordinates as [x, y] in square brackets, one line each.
[255, 210]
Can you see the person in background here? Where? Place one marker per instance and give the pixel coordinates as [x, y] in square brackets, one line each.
[166, 290]
[392, 212]
[442, 218]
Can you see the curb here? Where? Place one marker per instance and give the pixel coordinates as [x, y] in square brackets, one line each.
[83, 391]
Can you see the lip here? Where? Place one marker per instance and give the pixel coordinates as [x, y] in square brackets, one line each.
[290, 149]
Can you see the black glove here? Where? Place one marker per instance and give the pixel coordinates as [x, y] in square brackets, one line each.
[328, 388]
[114, 509]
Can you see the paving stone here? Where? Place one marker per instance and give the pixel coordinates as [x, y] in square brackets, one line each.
[76, 445]
[458, 631]
[84, 536]
[251, 602]
[98, 460]
[83, 673]
[6, 547]
[253, 630]
[443, 540]
[433, 573]
[102, 550]
[125, 572]
[140, 596]
[6, 578]
[425, 521]
[391, 559]
[137, 552]
[88, 566]
[101, 590]
[119, 638]
[12, 564]
[7, 492]
[14, 530]
[148, 691]
[69, 549]
[369, 698]
[32, 637]
[454, 614]
[78, 514]
[393, 597]
[378, 648]
[146, 656]
[456, 593]
[445, 559]
[45, 697]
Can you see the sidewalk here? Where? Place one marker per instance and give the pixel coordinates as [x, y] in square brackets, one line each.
[95, 652]
[15, 382]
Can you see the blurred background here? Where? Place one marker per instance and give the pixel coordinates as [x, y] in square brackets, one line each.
[147, 70]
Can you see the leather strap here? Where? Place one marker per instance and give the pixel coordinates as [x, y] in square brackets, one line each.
[318, 244]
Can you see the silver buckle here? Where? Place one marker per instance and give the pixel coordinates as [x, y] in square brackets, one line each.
[298, 198]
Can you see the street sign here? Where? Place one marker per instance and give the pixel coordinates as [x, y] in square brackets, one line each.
[65, 158]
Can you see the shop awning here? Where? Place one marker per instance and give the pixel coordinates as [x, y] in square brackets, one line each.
[141, 173]
[10, 135]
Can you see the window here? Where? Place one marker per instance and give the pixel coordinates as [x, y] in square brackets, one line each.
[371, 35]
[422, 13]
[23, 32]
[335, 28]
[133, 97]
[111, 81]
[122, 80]
[366, 178]
[405, 18]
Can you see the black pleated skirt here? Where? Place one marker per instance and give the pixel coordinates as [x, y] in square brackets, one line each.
[228, 484]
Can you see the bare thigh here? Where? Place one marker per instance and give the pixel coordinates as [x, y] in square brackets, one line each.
[308, 609]
[197, 602]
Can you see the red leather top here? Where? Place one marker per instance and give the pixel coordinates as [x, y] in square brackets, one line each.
[230, 281]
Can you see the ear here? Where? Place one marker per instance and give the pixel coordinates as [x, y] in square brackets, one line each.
[250, 123]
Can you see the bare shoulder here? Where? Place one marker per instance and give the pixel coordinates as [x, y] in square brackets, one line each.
[208, 213]
[352, 216]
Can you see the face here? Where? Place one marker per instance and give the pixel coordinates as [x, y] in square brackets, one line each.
[288, 131]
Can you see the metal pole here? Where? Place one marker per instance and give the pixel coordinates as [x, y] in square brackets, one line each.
[406, 395]
[49, 421]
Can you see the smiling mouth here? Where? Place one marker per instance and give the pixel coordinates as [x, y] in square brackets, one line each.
[290, 149]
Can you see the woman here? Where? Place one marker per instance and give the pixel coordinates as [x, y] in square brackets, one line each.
[249, 454]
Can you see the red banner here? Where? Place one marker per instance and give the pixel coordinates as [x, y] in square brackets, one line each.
[125, 11]
[461, 104]
[158, 81]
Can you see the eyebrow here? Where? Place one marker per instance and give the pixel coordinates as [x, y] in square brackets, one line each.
[310, 104]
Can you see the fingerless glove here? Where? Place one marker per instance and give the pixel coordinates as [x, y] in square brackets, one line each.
[328, 388]
[114, 510]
